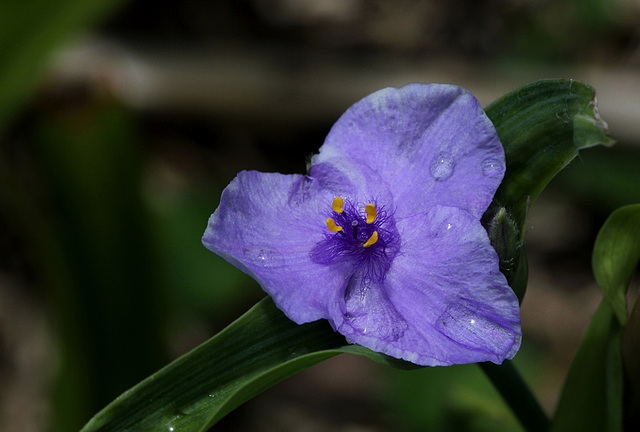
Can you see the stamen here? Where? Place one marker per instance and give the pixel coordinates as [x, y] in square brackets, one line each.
[337, 204]
[372, 213]
[372, 240]
[331, 224]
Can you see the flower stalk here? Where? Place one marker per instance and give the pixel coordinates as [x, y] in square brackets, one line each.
[517, 394]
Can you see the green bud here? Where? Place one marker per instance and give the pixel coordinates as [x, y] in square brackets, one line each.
[505, 238]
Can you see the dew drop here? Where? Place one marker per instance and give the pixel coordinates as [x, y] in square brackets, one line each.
[264, 257]
[491, 167]
[442, 166]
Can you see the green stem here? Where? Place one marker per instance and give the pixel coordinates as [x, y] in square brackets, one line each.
[518, 396]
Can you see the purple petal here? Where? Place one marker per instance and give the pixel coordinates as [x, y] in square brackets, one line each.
[443, 301]
[366, 316]
[447, 287]
[266, 225]
[428, 144]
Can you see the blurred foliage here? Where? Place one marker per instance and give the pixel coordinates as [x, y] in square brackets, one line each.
[616, 254]
[615, 184]
[110, 305]
[594, 386]
[30, 31]
[178, 220]
[457, 398]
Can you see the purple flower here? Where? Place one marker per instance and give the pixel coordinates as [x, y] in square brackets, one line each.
[383, 237]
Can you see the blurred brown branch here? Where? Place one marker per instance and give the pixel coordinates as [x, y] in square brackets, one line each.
[270, 84]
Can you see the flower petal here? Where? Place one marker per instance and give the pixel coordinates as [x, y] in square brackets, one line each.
[447, 287]
[442, 303]
[431, 144]
[365, 311]
[266, 225]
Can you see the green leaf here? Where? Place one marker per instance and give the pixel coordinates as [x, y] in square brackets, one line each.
[630, 355]
[31, 30]
[92, 170]
[255, 352]
[615, 256]
[542, 127]
[592, 396]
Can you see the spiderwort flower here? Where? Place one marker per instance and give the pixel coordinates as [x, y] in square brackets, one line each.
[383, 237]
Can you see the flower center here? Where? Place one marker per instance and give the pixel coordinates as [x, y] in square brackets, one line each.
[363, 236]
[371, 215]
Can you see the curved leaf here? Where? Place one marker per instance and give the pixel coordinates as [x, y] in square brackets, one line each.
[542, 127]
[630, 355]
[594, 385]
[592, 396]
[615, 256]
[256, 351]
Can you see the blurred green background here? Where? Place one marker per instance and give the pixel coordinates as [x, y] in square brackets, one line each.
[121, 122]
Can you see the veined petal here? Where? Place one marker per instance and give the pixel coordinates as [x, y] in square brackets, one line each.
[266, 225]
[347, 180]
[429, 143]
[365, 314]
[443, 301]
[447, 286]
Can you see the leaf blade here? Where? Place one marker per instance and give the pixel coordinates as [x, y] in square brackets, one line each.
[255, 352]
[615, 256]
[542, 127]
[592, 396]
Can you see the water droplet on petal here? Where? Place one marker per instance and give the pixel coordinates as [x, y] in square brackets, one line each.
[464, 324]
[265, 257]
[442, 166]
[491, 167]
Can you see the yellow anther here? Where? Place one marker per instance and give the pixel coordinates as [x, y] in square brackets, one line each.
[337, 204]
[331, 224]
[372, 240]
[372, 213]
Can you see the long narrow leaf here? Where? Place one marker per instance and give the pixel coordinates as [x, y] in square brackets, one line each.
[256, 351]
